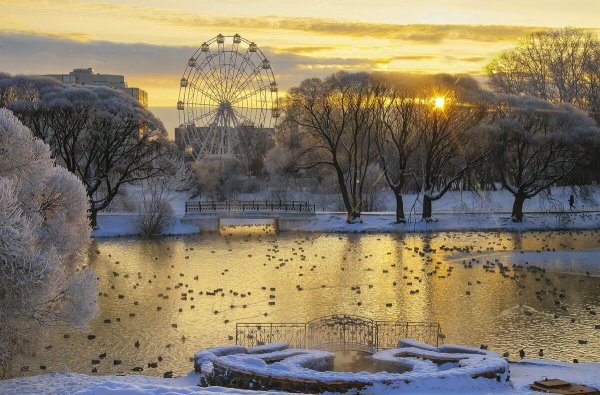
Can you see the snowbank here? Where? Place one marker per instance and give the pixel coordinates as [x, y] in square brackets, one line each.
[81, 384]
[456, 211]
[522, 374]
[123, 224]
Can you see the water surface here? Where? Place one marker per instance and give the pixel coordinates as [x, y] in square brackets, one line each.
[161, 300]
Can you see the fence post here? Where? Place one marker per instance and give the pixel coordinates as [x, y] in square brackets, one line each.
[306, 336]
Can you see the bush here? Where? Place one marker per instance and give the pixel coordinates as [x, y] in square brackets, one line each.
[44, 233]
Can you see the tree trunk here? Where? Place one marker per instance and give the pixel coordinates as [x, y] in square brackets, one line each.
[400, 219]
[517, 211]
[346, 199]
[93, 218]
[426, 208]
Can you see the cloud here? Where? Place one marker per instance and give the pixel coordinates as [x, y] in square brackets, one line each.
[415, 57]
[305, 49]
[419, 33]
[155, 65]
[474, 59]
[157, 68]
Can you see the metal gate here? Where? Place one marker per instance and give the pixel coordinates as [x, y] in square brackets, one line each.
[338, 332]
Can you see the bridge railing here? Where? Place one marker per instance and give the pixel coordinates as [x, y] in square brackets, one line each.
[200, 207]
[338, 332]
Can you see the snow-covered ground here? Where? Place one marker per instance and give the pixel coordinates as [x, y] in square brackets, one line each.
[457, 211]
[522, 374]
[81, 384]
[123, 224]
[385, 222]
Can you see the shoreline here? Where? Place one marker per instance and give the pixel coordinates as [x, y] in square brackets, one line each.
[119, 225]
[523, 373]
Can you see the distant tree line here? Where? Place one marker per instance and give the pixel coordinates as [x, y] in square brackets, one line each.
[536, 127]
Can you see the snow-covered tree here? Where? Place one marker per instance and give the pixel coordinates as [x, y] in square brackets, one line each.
[537, 143]
[99, 134]
[212, 175]
[44, 233]
[556, 66]
[560, 66]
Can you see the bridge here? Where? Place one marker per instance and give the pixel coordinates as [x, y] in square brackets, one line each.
[284, 215]
[338, 332]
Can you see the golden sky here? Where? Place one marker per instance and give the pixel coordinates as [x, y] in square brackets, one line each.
[150, 41]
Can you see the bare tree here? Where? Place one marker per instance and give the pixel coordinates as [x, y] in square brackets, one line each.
[154, 209]
[336, 120]
[537, 144]
[448, 116]
[104, 137]
[396, 140]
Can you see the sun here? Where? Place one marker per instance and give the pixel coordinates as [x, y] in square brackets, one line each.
[440, 102]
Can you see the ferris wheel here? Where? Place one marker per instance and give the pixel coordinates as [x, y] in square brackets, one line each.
[228, 90]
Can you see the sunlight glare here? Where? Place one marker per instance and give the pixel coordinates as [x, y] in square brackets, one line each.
[440, 102]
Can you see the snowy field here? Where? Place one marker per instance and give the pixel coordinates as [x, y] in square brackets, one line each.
[522, 374]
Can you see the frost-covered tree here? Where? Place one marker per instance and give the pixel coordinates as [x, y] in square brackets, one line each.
[99, 134]
[536, 144]
[254, 144]
[212, 175]
[556, 66]
[44, 233]
[561, 66]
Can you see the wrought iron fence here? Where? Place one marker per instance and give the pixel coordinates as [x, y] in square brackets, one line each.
[258, 334]
[249, 206]
[338, 332]
[387, 333]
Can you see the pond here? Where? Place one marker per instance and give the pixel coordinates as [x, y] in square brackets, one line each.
[161, 300]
